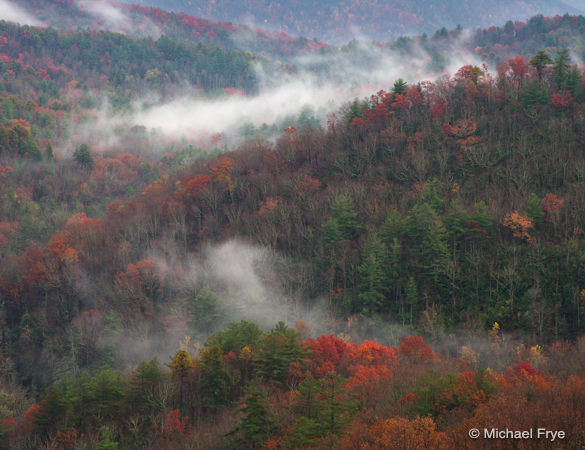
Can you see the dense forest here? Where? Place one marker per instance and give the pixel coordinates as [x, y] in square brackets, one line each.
[156, 294]
[146, 21]
[337, 22]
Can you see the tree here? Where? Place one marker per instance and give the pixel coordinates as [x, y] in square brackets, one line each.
[415, 349]
[412, 298]
[520, 69]
[108, 389]
[277, 350]
[177, 427]
[400, 86]
[534, 209]
[205, 310]
[428, 235]
[181, 366]
[574, 82]
[222, 173]
[257, 423]
[551, 205]
[307, 398]
[561, 68]
[520, 225]
[540, 61]
[337, 409]
[345, 217]
[308, 404]
[216, 380]
[144, 383]
[372, 277]
[83, 158]
[326, 411]
[49, 153]
[106, 442]
[355, 110]
[400, 433]
[469, 73]
[534, 93]
[236, 336]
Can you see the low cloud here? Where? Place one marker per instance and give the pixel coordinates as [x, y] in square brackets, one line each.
[114, 18]
[321, 82]
[318, 83]
[12, 13]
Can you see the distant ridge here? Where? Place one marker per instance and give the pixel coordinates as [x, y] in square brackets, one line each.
[337, 22]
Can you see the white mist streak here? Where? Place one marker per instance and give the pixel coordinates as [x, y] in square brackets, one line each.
[114, 18]
[287, 94]
[13, 13]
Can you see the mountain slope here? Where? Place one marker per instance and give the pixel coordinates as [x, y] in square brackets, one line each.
[337, 22]
[140, 21]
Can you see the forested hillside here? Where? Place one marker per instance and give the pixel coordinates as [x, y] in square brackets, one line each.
[155, 293]
[279, 389]
[338, 22]
[141, 21]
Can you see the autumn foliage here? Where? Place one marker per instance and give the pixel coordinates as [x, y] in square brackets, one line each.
[421, 216]
[519, 225]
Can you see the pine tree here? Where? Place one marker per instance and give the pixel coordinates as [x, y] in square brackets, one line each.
[540, 61]
[534, 209]
[345, 217]
[412, 300]
[561, 68]
[83, 158]
[400, 87]
[372, 277]
[574, 82]
[534, 93]
[257, 424]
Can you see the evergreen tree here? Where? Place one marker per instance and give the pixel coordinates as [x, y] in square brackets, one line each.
[400, 87]
[372, 277]
[412, 299]
[534, 93]
[277, 350]
[345, 217]
[205, 310]
[561, 68]
[49, 153]
[144, 382]
[574, 82]
[534, 209]
[325, 409]
[216, 381]
[83, 158]
[540, 61]
[257, 423]
[236, 336]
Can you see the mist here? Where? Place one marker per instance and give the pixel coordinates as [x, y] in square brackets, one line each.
[318, 83]
[236, 280]
[12, 13]
[115, 19]
[224, 283]
[577, 4]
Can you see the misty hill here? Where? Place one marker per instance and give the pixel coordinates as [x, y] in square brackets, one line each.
[337, 22]
[138, 229]
[90, 53]
[497, 43]
[489, 44]
[64, 69]
[153, 22]
[435, 205]
[308, 392]
[446, 207]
